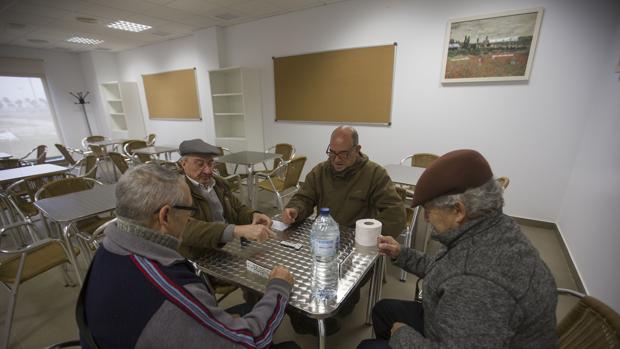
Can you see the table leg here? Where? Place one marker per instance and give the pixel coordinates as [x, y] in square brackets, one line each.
[376, 284]
[72, 257]
[251, 186]
[321, 333]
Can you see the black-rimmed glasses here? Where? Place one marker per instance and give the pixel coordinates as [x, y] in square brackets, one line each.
[340, 154]
[192, 209]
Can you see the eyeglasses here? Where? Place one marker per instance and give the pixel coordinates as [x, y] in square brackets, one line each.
[201, 163]
[343, 155]
[192, 210]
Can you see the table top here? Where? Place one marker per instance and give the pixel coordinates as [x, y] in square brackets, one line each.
[154, 150]
[5, 155]
[404, 174]
[79, 205]
[28, 171]
[248, 158]
[229, 264]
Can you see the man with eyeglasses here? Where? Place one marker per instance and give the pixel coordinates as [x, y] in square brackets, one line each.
[141, 293]
[353, 187]
[219, 216]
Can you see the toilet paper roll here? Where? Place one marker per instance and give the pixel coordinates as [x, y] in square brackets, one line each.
[366, 232]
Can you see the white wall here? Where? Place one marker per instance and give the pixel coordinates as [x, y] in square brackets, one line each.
[587, 217]
[528, 131]
[98, 68]
[198, 50]
[63, 73]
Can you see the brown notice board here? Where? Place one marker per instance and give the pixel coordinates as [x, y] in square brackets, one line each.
[351, 85]
[172, 95]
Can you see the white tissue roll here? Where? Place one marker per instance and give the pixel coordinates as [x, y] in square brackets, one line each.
[367, 231]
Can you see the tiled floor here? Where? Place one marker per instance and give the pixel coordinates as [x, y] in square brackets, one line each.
[45, 309]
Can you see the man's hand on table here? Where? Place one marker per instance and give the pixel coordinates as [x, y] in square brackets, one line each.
[289, 215]
[259, 218]
[253, 232]
[388, 246]
[281, 272]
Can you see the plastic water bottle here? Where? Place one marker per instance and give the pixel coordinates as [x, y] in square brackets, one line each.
[325, 241]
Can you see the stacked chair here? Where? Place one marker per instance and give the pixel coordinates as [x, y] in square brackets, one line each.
[283, 185]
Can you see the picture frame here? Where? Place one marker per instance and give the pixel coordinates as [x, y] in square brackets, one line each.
[495, 47]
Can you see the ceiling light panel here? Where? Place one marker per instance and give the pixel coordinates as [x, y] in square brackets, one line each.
[85, 41]
[129, 26]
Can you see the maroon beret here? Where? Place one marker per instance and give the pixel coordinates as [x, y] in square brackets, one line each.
[452, 173]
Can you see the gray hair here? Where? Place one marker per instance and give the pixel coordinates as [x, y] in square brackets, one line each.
[478, 201]
[354, 136]
[144, 189]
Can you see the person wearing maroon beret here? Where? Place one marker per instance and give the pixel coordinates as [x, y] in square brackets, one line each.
[486, 287]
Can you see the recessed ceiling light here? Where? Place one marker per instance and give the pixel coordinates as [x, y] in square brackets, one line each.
[129, 26]
[85, 41]
[88, 20]
[38, 41]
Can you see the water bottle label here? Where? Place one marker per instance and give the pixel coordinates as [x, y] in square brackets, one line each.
[325, 248]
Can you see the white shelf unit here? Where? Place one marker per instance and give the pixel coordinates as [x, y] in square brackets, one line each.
[235, 95]
[122, 104]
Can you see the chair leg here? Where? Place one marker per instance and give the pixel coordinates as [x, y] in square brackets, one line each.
[280, 203]
[11, 309]
[65, 273]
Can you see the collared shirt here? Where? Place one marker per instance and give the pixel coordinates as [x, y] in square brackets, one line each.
[210, 195]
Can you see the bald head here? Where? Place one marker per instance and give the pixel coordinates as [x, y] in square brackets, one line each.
[344, 149]
[346, 134]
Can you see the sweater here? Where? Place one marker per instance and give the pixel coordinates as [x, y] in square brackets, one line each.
[363, 190]
[486, 288]
[141, 293]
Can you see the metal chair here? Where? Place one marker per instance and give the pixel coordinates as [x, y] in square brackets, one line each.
[66, 153]
[86, 167]
[10, 214]
[6, 164]
[130, 146]
[590, 324]
[288, 185]
[150, 139]
[41, 151]
[119, 161]
[420, 159]
[24, 190]
[286, 150]
[22, 263]
[90, 139]
[233, 180]
[411, 220]
[85, 228]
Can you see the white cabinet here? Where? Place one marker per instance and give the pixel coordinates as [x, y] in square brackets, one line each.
[124, 113]
[235, 94]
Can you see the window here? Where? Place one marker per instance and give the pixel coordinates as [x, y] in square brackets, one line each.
[26, 118]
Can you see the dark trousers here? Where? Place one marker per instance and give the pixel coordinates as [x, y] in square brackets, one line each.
[386, 313]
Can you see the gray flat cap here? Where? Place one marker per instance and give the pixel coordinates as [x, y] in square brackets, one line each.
[198, 146]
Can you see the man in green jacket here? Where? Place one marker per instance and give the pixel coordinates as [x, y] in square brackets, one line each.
[220, 216]
[353, 188]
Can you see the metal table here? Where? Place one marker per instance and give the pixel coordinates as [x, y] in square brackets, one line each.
[249, 159]
[18, 173]
[70, 208]
[107, 142]
[156, 150]
[5, 156]
[229, 264]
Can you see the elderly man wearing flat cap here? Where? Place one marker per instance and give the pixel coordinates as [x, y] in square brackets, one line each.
[220, 216]
[487, 287]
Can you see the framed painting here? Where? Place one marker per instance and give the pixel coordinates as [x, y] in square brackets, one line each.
[497, 47]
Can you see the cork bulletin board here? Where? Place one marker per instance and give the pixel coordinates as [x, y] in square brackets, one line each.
[172, 95]
[350, 85]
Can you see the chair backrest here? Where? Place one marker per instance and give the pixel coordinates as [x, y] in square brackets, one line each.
[503, 181]
[421, 159]
[130, 146]
[286, 150]
[150, 139]
[89, 139]
[119, 161]
[220, 167]
[41, 153]
[96, 150]
[590, 324]
[28, 186]
[65, 186]
[65, 152]
[10, 213]
[293, 172]
[5, 164]
[87, 166]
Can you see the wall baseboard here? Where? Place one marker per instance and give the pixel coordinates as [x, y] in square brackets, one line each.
[553, 227]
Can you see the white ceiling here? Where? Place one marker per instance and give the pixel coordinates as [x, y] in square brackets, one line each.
[48, 24]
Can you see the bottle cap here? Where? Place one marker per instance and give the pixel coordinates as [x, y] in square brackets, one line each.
[324, 210]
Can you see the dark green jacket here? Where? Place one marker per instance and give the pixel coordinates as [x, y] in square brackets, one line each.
[363, 190]
[201, 233]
